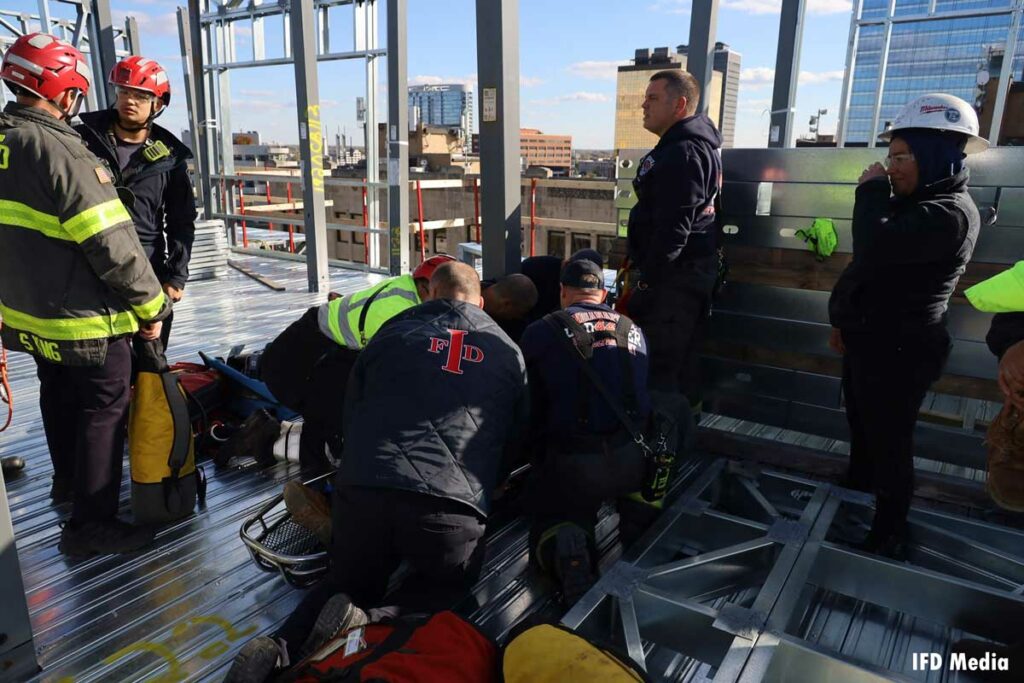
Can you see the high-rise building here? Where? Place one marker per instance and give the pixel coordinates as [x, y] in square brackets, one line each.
[923, 46]
[634, 78]
[445, 104]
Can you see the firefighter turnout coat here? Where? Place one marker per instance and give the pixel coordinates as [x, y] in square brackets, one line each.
[72, 271]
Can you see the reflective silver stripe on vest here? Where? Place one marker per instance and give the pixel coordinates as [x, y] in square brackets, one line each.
[349, 306]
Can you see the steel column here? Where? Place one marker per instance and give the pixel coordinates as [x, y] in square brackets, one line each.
[787, 72]
[370, 40]
[133, 43]
[497, 36]
[1005, 75]
[16, 649]
[398, 138]
[311, 143]
[851, 65]
[700, 58]
[882, 68]
[105, 47]
[191, 65]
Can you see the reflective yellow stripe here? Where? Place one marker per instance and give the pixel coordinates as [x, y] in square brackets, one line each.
[71, 329]
[95, 220]
[151, 308]
[24, 216]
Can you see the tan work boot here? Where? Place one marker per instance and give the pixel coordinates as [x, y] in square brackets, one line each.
[1006, 459]
[310, 509]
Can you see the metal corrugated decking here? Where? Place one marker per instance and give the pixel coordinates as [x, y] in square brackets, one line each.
[181, 608]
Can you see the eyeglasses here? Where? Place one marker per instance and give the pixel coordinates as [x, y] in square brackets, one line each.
[137, 95]
[898, 159]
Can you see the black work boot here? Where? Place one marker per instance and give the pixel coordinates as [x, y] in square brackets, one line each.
[12, 465]
[61, 490]
[255, 437]
[104, 537]
[573, 564]
[256, 662]
[338, 615]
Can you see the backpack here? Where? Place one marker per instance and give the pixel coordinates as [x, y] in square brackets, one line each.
[443, 648]
[161, 450]
[554, 654]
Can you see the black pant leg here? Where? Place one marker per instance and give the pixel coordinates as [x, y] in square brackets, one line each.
[890, 377]
[60, 412]
[860, 472]
[442, 541]
[364, 552]
[103, 394]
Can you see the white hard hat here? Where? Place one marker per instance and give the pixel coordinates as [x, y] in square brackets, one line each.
[939, 111]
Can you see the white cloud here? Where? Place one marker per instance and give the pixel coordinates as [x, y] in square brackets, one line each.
[163, 24]
[671, 6]
[775, 6]
[258, 94]
[468, 81]
[756, 105]
[813, 77]
[580, 96]
[529, 81]
[594, 70]
[757, 77]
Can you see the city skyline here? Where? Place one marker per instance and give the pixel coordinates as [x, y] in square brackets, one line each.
[569, 54]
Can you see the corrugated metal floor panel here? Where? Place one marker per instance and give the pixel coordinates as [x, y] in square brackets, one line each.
[182, 607]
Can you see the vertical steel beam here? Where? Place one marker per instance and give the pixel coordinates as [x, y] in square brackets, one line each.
[311, 143]
[700, 58]
[133, 42]
[1005, 75]
[45, 20]
[192, 70]
[851, 64]
[497, 54]
[372, 42]
[16, 649]
[398, 138]
[883, 66]
[787, 73]
[104, 46]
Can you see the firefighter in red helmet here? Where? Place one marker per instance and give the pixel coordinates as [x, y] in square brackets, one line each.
[60, 213]
[149, 165]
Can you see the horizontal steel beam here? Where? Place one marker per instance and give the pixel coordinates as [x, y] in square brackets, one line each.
[282, 61]
[942, 599]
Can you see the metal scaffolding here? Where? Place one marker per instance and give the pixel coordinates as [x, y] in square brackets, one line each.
[88, 26]
[745, 578]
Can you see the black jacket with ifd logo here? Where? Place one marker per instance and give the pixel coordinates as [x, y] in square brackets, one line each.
[434, 401]
[72, 271]
[908, 254]
[164, 208]
[676, 184]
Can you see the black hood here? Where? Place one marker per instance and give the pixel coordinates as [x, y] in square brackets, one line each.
[697, 127]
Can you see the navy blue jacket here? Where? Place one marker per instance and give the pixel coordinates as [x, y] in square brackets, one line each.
[1007, 329]
[556, 380]
[164, 210]
[676, 184]
[432, 403]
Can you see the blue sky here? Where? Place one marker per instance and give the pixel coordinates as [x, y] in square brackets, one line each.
[568, 53]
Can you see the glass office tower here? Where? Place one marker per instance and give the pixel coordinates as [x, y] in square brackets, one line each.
[900, 49]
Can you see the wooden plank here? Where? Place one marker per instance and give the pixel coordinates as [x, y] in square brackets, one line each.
[799, 269]
[956, 385]
[265, 281]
